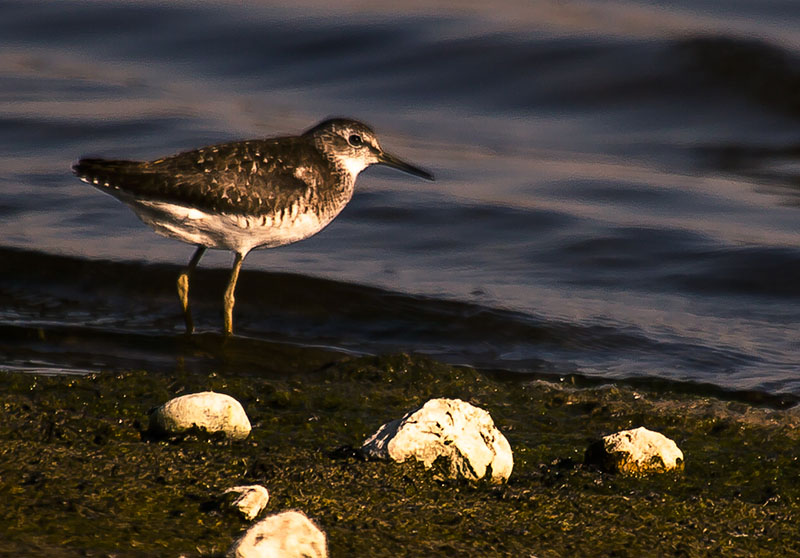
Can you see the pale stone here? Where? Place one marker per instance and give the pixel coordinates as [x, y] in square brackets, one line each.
[250, 500]
[636, 452]
[213, 412]
[289, 534]
[464, 435]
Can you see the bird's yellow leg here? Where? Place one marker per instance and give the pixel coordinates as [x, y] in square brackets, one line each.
[183, 287]
[229, 299]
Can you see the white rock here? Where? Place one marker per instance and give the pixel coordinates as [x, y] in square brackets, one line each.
[637, 452]
[289, 534]
[214, 412]
[450, 428]
[251, 499]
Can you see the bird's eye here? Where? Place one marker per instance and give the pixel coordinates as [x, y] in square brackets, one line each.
[355, 140]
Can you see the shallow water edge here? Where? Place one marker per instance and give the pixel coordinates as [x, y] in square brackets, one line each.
[66, 315]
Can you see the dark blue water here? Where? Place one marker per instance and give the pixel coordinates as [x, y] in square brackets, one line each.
[618, 188]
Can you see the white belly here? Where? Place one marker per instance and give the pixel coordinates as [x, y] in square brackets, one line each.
[227, 231]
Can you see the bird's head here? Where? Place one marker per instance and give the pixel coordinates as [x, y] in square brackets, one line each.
[355, 146]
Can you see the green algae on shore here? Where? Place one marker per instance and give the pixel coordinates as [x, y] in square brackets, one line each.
[80, 475]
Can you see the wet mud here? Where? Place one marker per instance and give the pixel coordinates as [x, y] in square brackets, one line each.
[80, 475]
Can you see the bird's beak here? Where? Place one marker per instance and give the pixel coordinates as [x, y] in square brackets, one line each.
[392, 161]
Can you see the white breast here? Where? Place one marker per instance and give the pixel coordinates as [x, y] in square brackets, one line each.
[226, 231]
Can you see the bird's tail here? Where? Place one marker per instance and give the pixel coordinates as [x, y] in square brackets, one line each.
[105, 173]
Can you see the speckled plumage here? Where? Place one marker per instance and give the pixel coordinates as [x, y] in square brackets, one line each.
[244, 195]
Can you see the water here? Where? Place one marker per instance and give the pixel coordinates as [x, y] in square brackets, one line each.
[617, 183]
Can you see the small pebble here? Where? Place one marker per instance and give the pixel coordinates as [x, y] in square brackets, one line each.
[250, 500]
[288, 534]
[212, 412]
[636, 452]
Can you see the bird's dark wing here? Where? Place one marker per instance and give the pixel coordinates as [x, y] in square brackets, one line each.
[259, 177]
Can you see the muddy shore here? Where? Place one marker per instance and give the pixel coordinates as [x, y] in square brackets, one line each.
[81, 476]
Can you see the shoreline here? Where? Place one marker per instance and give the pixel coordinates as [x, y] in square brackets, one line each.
[84, 315]
[81, 476]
